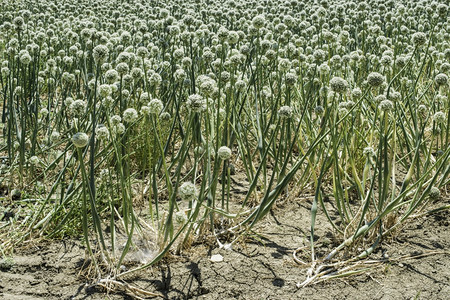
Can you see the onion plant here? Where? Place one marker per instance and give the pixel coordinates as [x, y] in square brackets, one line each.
[129, 124]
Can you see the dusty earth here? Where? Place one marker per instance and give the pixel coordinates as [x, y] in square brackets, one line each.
[261, 268]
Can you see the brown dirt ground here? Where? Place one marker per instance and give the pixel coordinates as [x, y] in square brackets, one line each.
[261, 268]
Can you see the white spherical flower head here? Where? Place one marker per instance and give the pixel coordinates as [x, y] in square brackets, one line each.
[6, 71]
[80, 139]
[25, 59]
[100, 53]
[104, 90]
[240, 85]
[136, 73]
[186, 62]
[122, 68]
[142, 52]
[284, 64]
[165, 116]
[375, 79]
[102, 132]
[34, 160]
[155, 106]
[179, 75]
[435, 193]
[395, 96]
[115, 120]
[78, 107]
[199, 150]
[44, 112]
[338, 85]
[441, 79]
[187, 191]
[180, 216]
[319, 110]
[207, 86]
[258, 21]
[422, 110]
[196, 103]
[18, 90]
[419, 39]
[233, 37]
[145, 110]
[291, 79]
[379, 98]
[342, 110]
[130, 115]
[155, 79]
[224, 153]
[285, 112]
[324, 69]
[349, 104]
[119, 129]
[356, 93]
[369, 151]
[111, 75]
[225, 76]
[439, 117]
[145, 96]
[386, 105]
[55, 136]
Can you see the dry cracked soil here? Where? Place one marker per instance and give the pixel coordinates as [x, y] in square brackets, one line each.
[262, 267]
